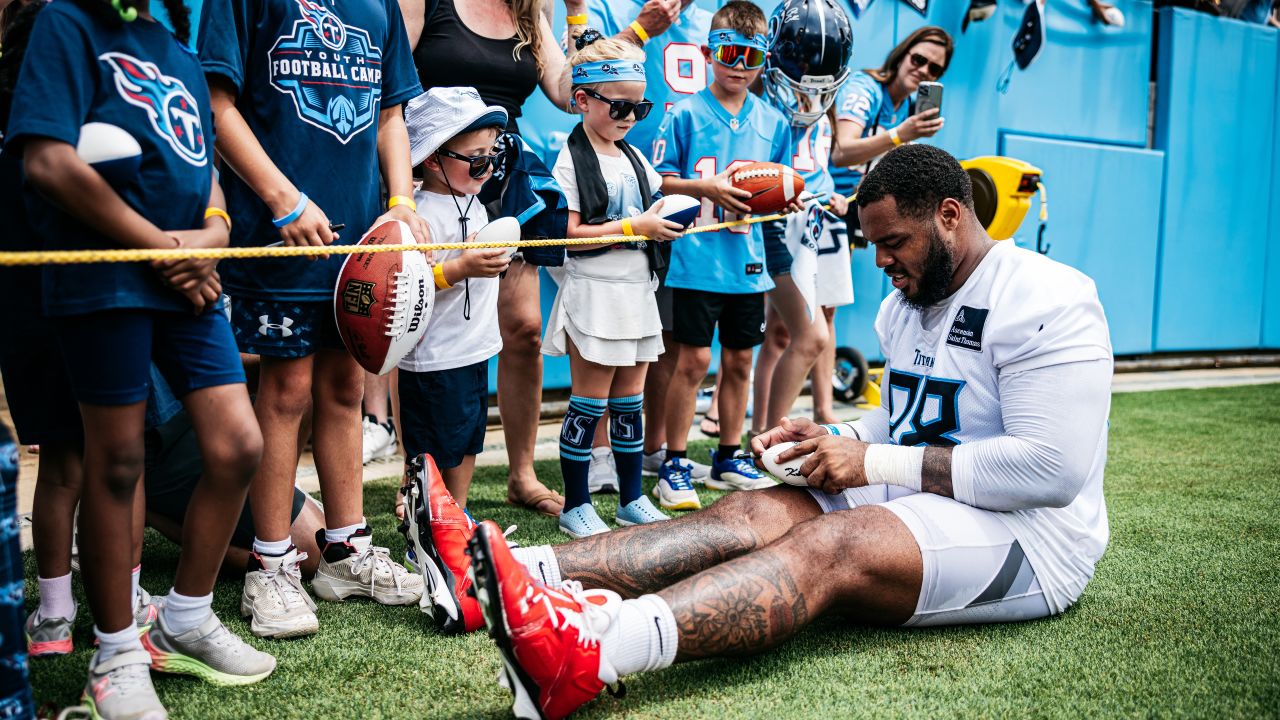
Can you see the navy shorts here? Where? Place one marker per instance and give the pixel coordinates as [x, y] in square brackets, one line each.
[739, 316]
[108, 354]
[777, 258]
[283, 329]
[444, 412]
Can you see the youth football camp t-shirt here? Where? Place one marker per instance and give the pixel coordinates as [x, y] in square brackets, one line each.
[137, 77]
[311, 77]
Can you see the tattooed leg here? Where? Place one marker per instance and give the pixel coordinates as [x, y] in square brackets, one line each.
[863, 562]
[646, 558]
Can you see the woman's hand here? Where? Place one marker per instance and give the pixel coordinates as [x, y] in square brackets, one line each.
[921, 125]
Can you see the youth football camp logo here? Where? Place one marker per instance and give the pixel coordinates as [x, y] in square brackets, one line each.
[172, 110]
[331, 69]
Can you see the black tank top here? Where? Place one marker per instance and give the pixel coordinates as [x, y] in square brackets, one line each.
[449, 54]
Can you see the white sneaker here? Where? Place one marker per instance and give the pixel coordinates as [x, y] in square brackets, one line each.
[120, 687]
[602, 476]
[275, 599]
[357, 568]
[651, 463]
[674, 489]
[379, 440]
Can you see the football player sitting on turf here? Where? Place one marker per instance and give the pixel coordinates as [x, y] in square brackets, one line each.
[972, 495]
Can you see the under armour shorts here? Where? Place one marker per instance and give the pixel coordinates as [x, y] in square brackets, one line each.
[284, 329]
[975, 571]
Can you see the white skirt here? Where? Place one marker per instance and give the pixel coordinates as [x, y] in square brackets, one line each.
[606, 306]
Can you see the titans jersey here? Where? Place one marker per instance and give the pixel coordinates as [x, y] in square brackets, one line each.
[139, 78]
[698, 138]
[811, 154]
[865, 101]
[311, 77]
[1019, 311]
[674, 68]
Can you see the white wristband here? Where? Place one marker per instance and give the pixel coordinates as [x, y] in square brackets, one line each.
[843, 430]
[894, 465]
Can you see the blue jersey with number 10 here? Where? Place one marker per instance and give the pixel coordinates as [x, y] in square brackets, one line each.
[699, 138]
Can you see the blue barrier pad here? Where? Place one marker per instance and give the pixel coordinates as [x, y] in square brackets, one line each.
[1218, 194]
[1271, 295]
[1104, 219]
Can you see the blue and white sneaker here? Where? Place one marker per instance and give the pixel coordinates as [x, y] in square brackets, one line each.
[675, 486]
[639, 512]
[736, 473]
[651, 464]
[581, 522]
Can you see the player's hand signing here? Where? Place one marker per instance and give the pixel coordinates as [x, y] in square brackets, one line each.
[720, 190]
[654, 227]
[788, 430]
[834, 463]
[921, 125]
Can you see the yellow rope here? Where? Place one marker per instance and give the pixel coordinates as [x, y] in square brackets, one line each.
[75, 257]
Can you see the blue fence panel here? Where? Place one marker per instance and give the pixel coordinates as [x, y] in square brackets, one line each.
[1104, 220]
[1271, 295]
[1219, 141]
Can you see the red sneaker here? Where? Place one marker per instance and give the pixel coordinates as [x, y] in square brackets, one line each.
[438, 531]
[549, 638]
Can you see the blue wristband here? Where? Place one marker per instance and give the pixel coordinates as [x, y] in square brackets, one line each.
[297, 212]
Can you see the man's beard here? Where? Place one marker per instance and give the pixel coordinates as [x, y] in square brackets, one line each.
[935, 279]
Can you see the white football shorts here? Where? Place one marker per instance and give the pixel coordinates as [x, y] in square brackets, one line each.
[975, 571]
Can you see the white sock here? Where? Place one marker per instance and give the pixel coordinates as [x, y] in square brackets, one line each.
[55, 598]
[183, 612]
[271, 547]
[111, 644]
[342, 534]
[133, 583]
[643, 636]
[540, 561]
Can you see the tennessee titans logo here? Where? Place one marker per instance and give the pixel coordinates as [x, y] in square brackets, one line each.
[814, 224]
[331, 69]
[172, 110]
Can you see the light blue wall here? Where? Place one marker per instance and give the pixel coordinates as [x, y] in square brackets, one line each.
[1215, 118]
[1271, 295]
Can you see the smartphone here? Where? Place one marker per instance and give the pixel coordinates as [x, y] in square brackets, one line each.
[928, 97]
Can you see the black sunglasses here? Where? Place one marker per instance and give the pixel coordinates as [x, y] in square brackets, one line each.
[935, 70]
[619, 109]
[478, 165]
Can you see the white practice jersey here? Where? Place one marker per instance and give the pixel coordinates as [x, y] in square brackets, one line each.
[1019, 311]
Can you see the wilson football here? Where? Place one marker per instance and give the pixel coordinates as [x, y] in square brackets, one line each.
[788, 472]
[383, 300]
[772, 186]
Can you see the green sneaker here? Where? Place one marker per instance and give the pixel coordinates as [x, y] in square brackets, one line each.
[210, 652]
[120, 688]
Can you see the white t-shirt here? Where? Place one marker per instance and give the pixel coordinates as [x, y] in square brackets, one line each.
[620, 180]
[1019, 311]
[452, 340]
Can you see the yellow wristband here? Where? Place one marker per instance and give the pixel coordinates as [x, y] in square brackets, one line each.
[218, 212]
[577, 19]
[626, 227]
[893, 135]
[402, 200]
[438, 272]
[639, 31]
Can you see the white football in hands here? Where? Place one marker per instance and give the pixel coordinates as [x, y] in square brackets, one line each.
[788, 472]
[504, 230]
[680, 209]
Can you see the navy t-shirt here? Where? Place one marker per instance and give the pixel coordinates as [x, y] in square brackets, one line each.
[311, 77]
[135, 76]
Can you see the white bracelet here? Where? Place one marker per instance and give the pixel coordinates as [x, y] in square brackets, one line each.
[844, 429]
[894, 465]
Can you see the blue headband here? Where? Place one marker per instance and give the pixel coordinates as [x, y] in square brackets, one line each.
[608, 71]
[728, 36]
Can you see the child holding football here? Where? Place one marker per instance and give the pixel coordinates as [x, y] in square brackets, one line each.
[444, 380]
[605, 316]
[306, 95]
[92, 62]
[718, 278]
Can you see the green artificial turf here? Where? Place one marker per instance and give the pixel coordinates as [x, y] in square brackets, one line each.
[1180, 620]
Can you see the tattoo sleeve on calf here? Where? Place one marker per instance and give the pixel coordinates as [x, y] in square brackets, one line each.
[648, 558]
[935, 472]
[738, 608]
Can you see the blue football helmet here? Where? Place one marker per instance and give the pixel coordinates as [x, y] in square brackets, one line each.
[810, 46]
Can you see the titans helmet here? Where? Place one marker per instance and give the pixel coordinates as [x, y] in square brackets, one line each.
[810, 45]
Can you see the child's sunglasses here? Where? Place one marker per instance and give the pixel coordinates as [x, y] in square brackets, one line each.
[935, 70]
[730, 55]
[620, 109]
[478, 165]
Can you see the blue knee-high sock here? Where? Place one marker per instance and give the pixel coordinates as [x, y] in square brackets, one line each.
[576, 433]
[626, 435]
